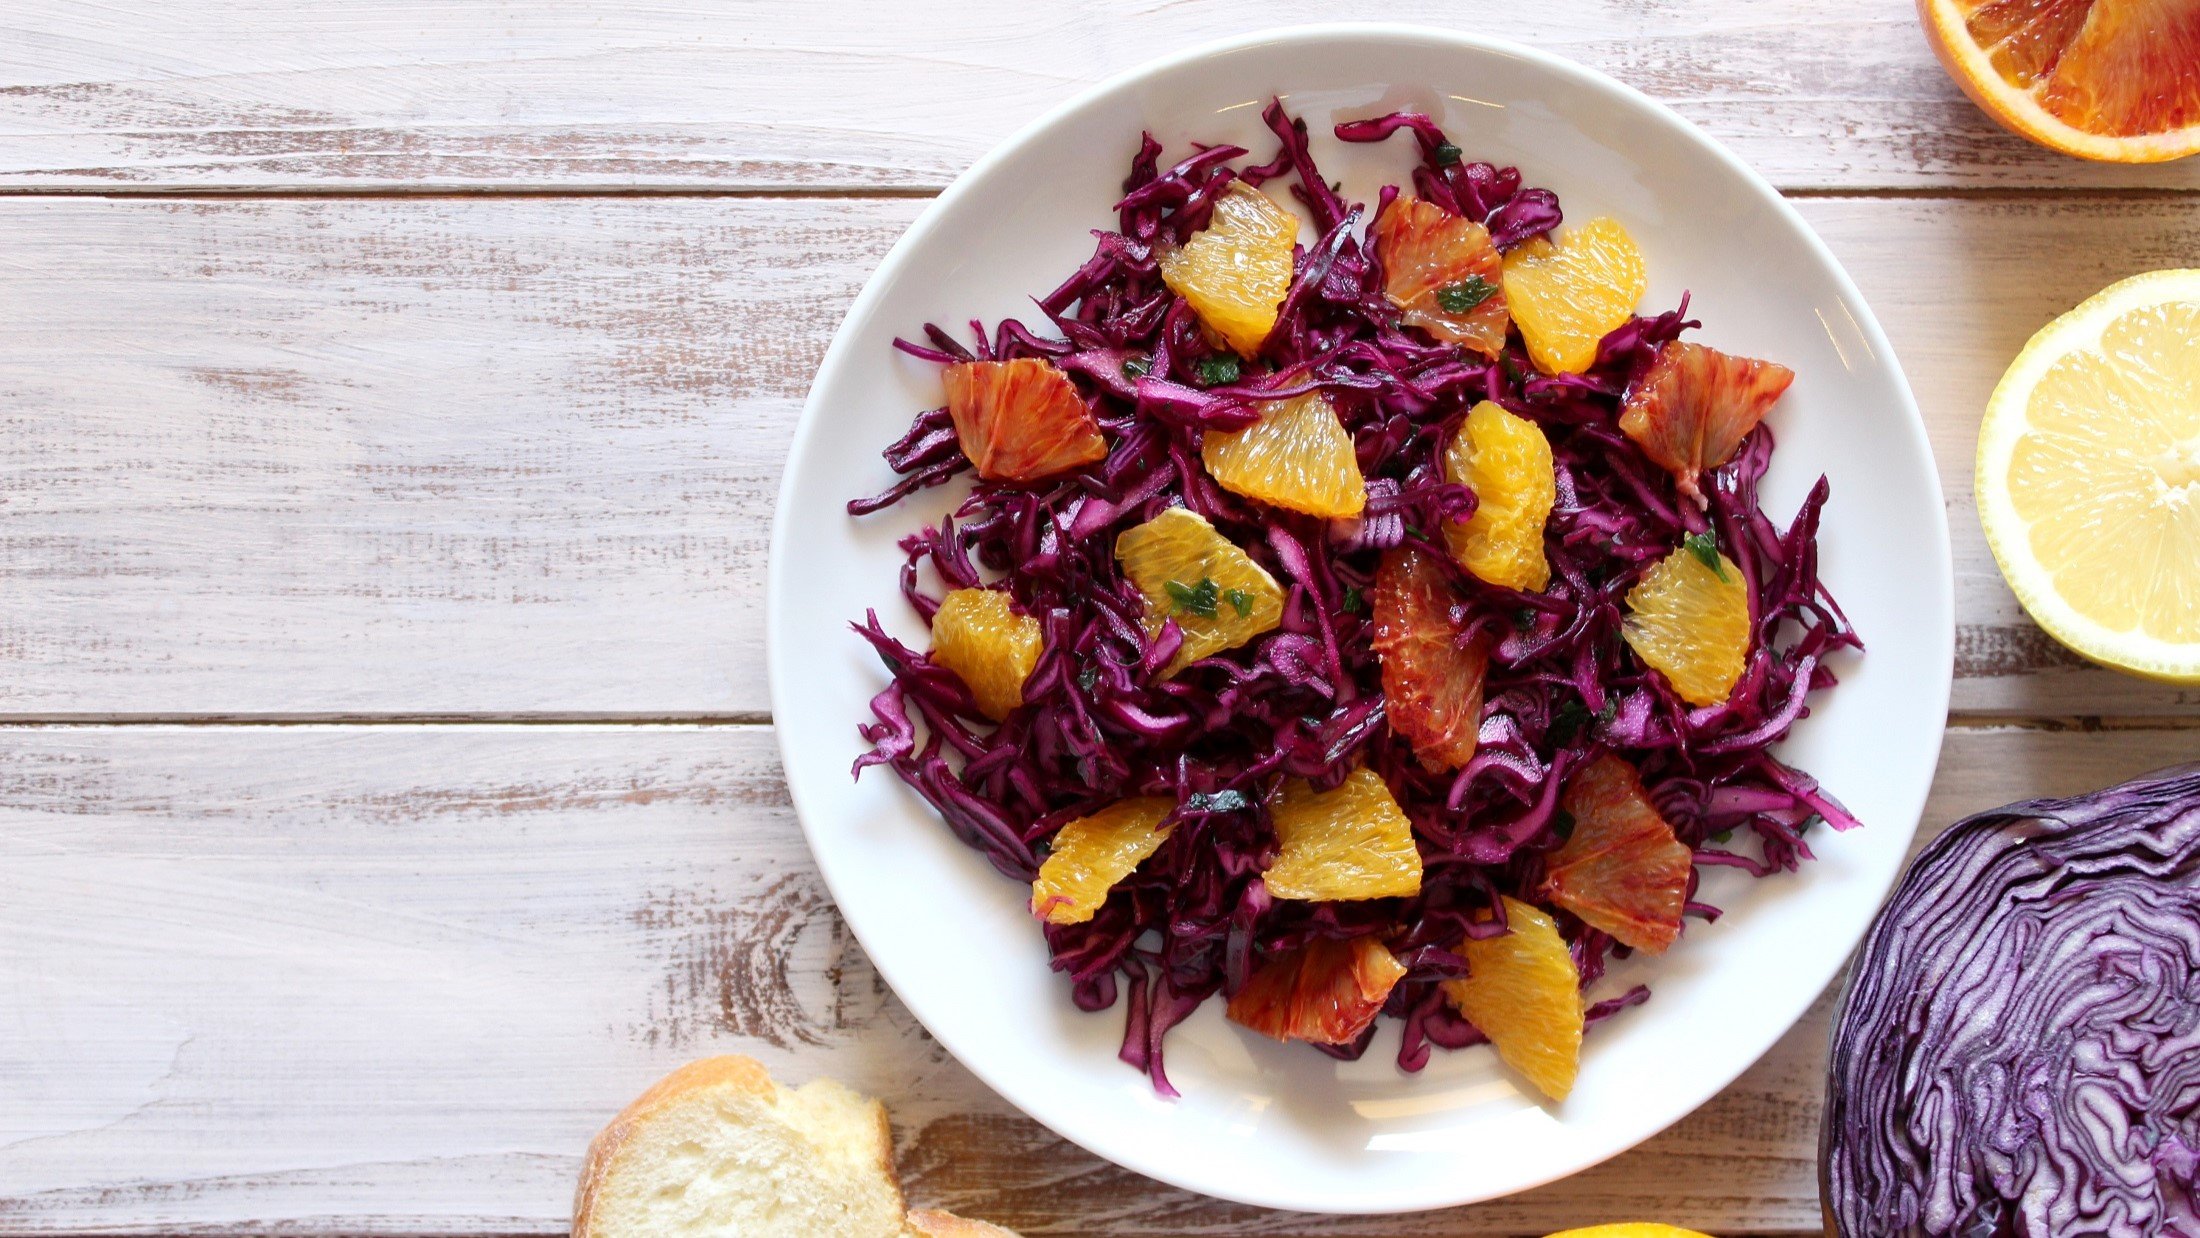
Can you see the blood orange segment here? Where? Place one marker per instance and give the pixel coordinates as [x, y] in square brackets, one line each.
[1432, 674]
[1297, 456]
[1688, 617]
[1524, 992]
[1235, 271]
[978, 636]
[1326, 992]
[1621, 870]
[1567, 295]
[1349, 843]
[1695, 405]
[1091, 854]
[1021, 420]
[1506, 460]
[1444, 274]
[2116, 80]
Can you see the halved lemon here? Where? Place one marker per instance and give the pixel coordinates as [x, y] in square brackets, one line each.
[2115, 80]
[2088, 476]
[1632, 1229]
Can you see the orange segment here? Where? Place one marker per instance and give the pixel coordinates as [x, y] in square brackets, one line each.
[1236, 270]
[1350, 843]
[1432, 676]
[1506, 461]
[2115, 80]
[1566, 297]
[1621, 870]
[1688, 617]
[1326, 992]
[1695, 405]
[989, 646]
[1523, 991]
[1091, 854]
[1443, 274]
[1217, 595]
[1020, 420]
[1297, 456]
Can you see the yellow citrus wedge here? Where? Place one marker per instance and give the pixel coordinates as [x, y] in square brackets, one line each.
[1297, 456]
[1089, 855]
[991, 647]
[1523, 990]
[1235, 271]
[1218, 596]
[1566, 296]
[1689, 618]
[2088, 477]
[1350, 843]
[1506, 461]
[2114, 80]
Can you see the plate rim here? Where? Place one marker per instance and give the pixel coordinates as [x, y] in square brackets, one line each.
[807, 434]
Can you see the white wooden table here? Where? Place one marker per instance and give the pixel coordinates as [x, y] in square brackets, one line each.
[392, 399]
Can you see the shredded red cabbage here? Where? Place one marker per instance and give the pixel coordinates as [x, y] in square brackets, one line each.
[1306, 698]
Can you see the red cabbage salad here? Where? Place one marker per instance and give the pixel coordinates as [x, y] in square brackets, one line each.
[1379, 627]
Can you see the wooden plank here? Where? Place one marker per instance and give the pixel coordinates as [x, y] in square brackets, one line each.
[497, 456]
[388, 979]
[697, 93]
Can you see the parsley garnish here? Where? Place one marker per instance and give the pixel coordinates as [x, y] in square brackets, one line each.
[1217, 801]
[1215, 371]
[1447, 155]
[1352, 599]
[1563, 822]
[1568, 719]
[1723, 837]
[1241, 600]
[1196, 599]
[1706, 549]
[1137, 368]
[1088, 678]
[1465, 295]
[1524, 619]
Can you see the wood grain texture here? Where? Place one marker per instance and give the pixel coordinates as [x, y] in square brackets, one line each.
[514, 456]
[387, 980]
[739, 94]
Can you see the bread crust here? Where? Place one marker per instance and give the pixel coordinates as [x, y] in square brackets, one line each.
[931, 1224]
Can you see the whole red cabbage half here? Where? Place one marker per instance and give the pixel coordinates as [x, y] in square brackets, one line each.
[2019, 1052]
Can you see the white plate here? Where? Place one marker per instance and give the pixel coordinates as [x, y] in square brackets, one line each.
[1283, 1126]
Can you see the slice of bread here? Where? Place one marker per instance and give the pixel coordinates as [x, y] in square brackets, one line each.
[926, 1223]
[718, 1150]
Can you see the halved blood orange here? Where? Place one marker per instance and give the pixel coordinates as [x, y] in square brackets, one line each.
[1326, 992]
[1621, 870]
[1020, 420]
[2115, 80]
[1444, 274]
[1695, 405]
[1432, 675]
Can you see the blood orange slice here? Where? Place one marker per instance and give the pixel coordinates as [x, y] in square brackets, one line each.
[1432, 676]
[1444, 274]
[1326, 992]
[1695, 405]
[2114, 80]
[1020, 420]
[1621, 870]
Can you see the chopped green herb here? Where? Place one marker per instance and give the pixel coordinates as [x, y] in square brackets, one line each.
[1609, 712]
[1217, 801]
[1215, 371]
[1706, 548]
[1723, 837]
[1239, 600]
[1465, 295]
[1043, 848]
[1196, 599]
[1813, 819]
[1447, 155]
[1137, 368]
[1563, 822]
[1412, 529]
[1352, 599]
[1088, 678]
[1512, 369]
[1568, 719]
[1524, 620]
